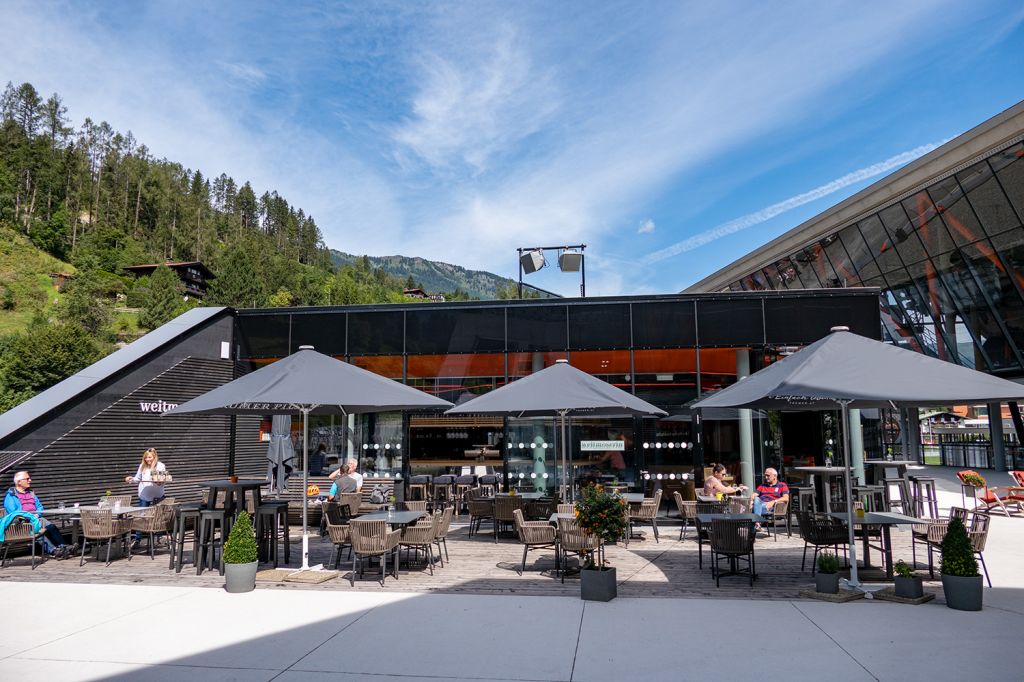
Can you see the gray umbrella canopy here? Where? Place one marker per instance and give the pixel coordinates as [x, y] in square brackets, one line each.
[846, 367]
[559, 390]
[307, 379]
[554, 390]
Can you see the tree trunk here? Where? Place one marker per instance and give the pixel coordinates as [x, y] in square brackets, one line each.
[31, 210]
[138, 203]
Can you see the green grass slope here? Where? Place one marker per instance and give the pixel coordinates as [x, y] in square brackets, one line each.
[26, 287]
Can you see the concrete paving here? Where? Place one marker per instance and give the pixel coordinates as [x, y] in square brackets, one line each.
[92, 632]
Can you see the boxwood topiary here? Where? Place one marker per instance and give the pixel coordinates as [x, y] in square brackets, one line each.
[828, 563]
[240, 547]
[957, 552]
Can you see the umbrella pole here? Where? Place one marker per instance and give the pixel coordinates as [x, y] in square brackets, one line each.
[565, 460]
[853, 582]
[305, 489]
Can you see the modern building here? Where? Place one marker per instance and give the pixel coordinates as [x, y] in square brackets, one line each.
[84, 435]
[941, 238]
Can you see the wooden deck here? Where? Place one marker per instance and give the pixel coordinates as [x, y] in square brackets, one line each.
[479, 566]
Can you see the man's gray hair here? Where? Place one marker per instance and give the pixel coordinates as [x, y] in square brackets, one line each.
[353, 461]
[18, 475]
[771, 470]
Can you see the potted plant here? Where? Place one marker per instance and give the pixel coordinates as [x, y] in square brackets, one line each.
[240, 556]
[602, 515]
[826, 580]
[908, 584]
[961, 582]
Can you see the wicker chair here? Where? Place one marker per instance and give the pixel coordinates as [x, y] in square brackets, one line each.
[422, 536]
[821, 531]
[370, 539]
[111, 500]
[977, 531]
[441, 538]
[733, 540]
[647, 511]
[101, 525]
[480, 511]
[534, 535]
[158, 519]
[704, 529]
[20, 533]
[539, 510]
[740, 505]
[503, 508]
[566, 508]
[572, 539]
[687, 513]
[921, 532]
[340, 536]
[415, 505]
[779, 513]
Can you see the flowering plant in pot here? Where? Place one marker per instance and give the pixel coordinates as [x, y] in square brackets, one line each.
[971, 478]
[961, 582]
[240, 556]
[907, 583]
[826, 580]
[603, 515]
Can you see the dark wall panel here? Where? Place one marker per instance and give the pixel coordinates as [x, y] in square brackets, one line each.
[459, 330]
[735, 322]
[324, 331]
[805, 320]
[599, 327]
[668, 324]
[375, 333]
[537, 328]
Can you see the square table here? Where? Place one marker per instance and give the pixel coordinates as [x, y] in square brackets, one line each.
[241, 486]
[884, 520]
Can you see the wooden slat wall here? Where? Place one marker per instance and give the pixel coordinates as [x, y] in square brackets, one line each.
[96, 455]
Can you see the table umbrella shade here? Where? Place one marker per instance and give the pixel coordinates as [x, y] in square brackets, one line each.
[307, 382]
[846, 371]
[559, 390]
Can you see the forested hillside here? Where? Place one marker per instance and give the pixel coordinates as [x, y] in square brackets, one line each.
[87, 201]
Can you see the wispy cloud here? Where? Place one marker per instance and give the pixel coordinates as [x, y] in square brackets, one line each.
[646, 226]
[246, 73]
[769, 212]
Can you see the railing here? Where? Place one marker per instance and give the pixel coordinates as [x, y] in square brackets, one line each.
[967, 455]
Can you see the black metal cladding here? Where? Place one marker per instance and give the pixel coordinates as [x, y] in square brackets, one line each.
[537, 328]
[436, 332]
[664, 325]
[598, 327]
[325, 332]
[730, 322]
[265, 336]
[375, 333]
[789, 322]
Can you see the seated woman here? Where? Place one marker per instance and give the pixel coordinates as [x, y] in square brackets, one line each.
[345, 482]
[713, 483]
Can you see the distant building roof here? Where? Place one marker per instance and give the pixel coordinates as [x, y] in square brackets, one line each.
[142, 269]
[415, 293]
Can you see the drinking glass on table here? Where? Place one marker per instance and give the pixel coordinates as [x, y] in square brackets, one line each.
[60, 505]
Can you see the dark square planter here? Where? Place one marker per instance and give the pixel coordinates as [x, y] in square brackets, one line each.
[910, 588]
[827, 583]
[598, 584]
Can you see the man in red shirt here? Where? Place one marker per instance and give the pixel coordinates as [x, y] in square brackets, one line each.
[769, 493]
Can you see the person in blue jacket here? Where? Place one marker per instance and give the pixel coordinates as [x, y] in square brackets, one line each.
[20, 498]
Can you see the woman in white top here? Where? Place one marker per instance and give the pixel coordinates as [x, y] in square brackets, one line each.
[150, 491]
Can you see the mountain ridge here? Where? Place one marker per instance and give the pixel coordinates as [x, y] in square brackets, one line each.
[434, 277]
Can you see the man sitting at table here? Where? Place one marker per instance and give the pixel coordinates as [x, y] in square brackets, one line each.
[20, 498]
[769, 493]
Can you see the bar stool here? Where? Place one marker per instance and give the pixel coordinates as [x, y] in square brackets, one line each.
[924, 496]
[462, 485]
[902, 499]
[488, 485]
[443, 490]
[418, 487]
[211, 543]
[872, 496]
[182, 514]
[272, 522]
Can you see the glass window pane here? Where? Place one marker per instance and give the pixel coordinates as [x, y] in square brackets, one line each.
[902, 234]
[324, 331]
[996, 310]
[459, 330]
[822, 267]
[375, 333]
[1009, 167]
[537, 327]
[910, 312]
[919, 210]
[669, 324]
[389, 366]
[861, 258]
[264, 336]
[604, 325]
[895, 325]
[788, 275]
[804, 264]
[609, 365]
[717, 368]
[841, 262]
[880, 244]
[987, 198]
[770, 277]
[944, 292]
[452, 376]
[736, 322]
[789, 322]
[1010, 246]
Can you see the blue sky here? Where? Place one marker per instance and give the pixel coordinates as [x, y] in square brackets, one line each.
[671, 138]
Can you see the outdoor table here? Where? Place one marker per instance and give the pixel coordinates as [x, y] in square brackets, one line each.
[397, 519]
[74, 515]
[229, 488]
[822, 485]
[632, 498]
[885, 520]
[553, 519]
[525, 496]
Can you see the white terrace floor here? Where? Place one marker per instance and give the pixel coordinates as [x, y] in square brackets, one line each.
[477, 619]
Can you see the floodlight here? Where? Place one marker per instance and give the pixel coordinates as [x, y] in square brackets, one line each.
[532, 261]
[570, 261]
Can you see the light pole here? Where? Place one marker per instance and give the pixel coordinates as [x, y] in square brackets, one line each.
[570, 259]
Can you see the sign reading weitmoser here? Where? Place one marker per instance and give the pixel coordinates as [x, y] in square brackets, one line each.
[158, 406]
[602, 445]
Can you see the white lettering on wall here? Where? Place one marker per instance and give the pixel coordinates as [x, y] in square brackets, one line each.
[157, 407]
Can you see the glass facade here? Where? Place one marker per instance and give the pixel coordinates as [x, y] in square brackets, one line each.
[666, 350]
[948, 258]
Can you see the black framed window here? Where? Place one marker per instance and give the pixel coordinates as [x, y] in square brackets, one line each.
[803, 261]
[841, 261]
[458, 330]
[668, 324]
[879, 243]
[1009, 168]
[324, 331]
[599, 326]
[986, 195]
[735, 322]
[902, 234]
[861, 258]
[375, 333]
[264, 336]
[537, 328]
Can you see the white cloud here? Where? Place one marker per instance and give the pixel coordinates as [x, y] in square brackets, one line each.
[646, 226]
[769, 212]
[246, 73]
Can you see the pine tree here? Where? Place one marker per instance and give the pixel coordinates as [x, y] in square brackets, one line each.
[163, 298]
[239, 283]
[44, 355]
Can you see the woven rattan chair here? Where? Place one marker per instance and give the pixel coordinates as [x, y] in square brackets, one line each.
[441, 539]
[572, 539]
[422, 536]
[370, 539]
[101, 525]
[20, 533]
[566, 508]
[704, 529]
[415, 505]
[111, 500]
[534, 535]
[732, 540]
[539, 510]
[503, 508]
[977, 530]
[921, 532]
[340, 536]
[687, 513]
[740, 505]
[646, 511]
[479, 511]
[156, 520]
[821, 531]
[779, 513]
[353, 500]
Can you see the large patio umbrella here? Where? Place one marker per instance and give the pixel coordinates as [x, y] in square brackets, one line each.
[307, 382]
[846, 371]
[559, 390]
